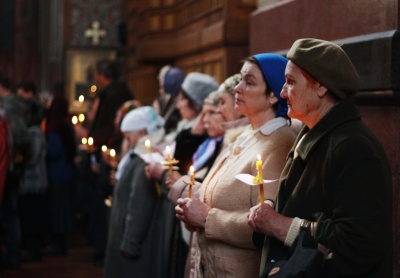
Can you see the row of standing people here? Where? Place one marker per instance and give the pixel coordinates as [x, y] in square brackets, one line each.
[145, 238]
[317, 178]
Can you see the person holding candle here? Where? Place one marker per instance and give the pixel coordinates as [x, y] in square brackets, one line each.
[225, 241]
[190, 134]
[337, 180]
[202, 160]
[130, 245]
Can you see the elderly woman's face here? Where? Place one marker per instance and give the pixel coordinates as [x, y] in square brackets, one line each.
[250, 98]
[226, 107]
[212, 120]
[300, 94]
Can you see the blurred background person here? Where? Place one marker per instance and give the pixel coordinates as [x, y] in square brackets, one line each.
[130, 246]
[190, 134]
[16, 111]
[62, 174]
[33, 186]
[203, 159]
[97, 229]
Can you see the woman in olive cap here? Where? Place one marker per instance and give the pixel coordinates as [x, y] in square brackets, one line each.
[337, 179]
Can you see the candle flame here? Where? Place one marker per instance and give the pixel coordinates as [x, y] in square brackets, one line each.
[104, 148]
[258, 157]
[74, 120]
[81, 98]
[90, 141]
[147, 143]
[191, 169]
[84, 141]
[112, 153]
[167, 149]
[81, 117]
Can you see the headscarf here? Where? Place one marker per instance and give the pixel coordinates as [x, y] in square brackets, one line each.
[273, 69]
[144, 117]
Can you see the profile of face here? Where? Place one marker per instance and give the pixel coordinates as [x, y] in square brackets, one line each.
[300, 93]
[251, 97]
[212, 120]
[226, 107]
[132, 138]
[186, 111]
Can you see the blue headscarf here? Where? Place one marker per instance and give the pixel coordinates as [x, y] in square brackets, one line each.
[273, 69]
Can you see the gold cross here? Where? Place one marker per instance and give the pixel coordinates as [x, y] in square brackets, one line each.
[95, 32]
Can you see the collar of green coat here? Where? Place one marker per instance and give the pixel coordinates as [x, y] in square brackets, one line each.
[340, 114]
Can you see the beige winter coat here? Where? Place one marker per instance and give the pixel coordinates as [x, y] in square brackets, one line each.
[225, 247]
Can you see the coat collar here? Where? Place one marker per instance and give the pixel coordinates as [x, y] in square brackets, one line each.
[340, 114]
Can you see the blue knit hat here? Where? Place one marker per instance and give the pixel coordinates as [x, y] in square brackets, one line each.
[173, 80]
[273, 69]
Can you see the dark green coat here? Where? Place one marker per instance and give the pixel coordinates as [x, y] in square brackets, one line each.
[342, 180]
[131, 227]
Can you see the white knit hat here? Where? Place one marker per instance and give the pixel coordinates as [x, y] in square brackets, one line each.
[144, 117]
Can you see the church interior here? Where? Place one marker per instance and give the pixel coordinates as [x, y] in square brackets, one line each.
[56, 43]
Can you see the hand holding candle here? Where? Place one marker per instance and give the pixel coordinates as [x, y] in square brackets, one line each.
[259, 178]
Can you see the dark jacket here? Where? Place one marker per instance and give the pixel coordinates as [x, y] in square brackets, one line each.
[130, 228]
[341, 179]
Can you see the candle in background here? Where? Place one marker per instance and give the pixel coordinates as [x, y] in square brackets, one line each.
[81, 118]
[84, 141]
[259, 178]
[90, 143]
[191, 183]
[113, 161]
[104, 148]
[147, 143]
[74, 120]
[81, 98]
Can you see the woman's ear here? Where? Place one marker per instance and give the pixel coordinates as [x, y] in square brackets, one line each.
[322, 90]
[272, 98]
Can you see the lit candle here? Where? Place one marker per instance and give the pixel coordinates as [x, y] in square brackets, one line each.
[90, 142]
[147, 143]
[74, 120]
[168, 151]
[259, 179]
[84, 141]
[104, 148]
[81, 98]
[169, 159]
[81, 118]
[191, 181]
[113, 161]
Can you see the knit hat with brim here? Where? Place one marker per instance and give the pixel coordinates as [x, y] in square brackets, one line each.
[328, 63]
[198, 85]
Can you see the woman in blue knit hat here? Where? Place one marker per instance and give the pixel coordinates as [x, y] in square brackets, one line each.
[219, 215]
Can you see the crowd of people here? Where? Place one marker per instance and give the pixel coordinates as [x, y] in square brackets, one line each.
[170, 203]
